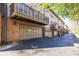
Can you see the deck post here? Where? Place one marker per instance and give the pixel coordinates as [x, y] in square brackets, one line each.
[4, 23]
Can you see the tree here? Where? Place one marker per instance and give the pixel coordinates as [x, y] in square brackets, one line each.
[70, 10]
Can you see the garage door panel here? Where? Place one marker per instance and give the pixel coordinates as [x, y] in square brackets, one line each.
[48, 33]
[29, 32]
[55, 33]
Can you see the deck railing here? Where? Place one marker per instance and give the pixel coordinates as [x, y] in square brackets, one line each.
[54, 26]
[24, 11]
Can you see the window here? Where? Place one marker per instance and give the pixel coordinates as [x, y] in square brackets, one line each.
[36, 15]
[20, 7]
[31, 12]
[52, 16]
[23, 8]
[44, 17]
[40, 16]
[26, 9]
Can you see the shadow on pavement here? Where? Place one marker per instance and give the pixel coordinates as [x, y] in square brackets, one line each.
[62, 41]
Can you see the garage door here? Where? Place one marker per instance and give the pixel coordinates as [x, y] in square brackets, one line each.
[48, 33]
[29, 32]
[55, 33]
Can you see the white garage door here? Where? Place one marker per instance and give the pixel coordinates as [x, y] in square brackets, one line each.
[29, 32]
[55, 33]
[48, 33]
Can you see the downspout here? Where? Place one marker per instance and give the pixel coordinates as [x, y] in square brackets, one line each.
[4, 23]
[44, 26]
[0, 9]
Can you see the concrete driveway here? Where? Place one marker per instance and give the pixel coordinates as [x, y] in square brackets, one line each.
[63, 45]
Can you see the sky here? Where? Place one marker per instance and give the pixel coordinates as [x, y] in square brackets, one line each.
[69, 23]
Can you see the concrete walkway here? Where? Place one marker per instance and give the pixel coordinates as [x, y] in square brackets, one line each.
[59, 46]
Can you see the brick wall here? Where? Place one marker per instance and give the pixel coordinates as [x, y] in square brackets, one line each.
[14, 29]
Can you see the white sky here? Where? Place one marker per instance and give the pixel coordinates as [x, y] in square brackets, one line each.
[69, 23]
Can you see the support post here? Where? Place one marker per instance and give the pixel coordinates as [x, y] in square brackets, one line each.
[4, 23]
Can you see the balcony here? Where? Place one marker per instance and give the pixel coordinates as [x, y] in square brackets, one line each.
[24, 12]
[54, 26]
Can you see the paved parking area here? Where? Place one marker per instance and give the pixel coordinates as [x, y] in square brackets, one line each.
[63, 45]
[58, 51]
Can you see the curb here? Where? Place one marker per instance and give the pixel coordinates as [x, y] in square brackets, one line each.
[76, 45]
[8, 46]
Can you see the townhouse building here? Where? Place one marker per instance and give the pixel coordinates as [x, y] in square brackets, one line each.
[24, 21]
[53, 18]
[56, 26]
[51, 28]
[19, 21]
[63, 28]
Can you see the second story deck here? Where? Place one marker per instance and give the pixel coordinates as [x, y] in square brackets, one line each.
[24, 12]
